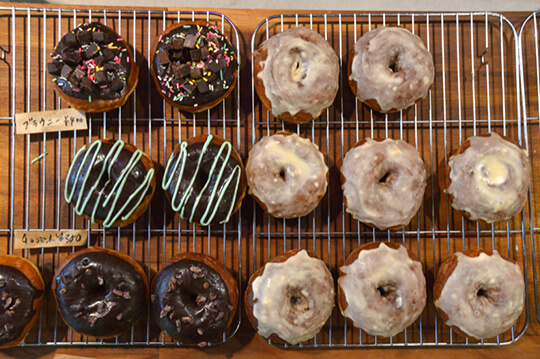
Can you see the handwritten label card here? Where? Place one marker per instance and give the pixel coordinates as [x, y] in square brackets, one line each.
[49, 239]
[50, 121]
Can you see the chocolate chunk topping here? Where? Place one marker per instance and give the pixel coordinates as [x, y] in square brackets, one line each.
[54, 68]
[195, 55]
[71, 57]
[84, 37]
[101, 77]
[70, 39]
[202, 87]
[92, 50]
[212, 66]
[195, 73]
[87, 84]
[100, 37]
[101, 310]
[117, 85]
[178, 43]
[77, 75]
[184, 70]
[190, 41]
[163, 57]
[205, 53]
[100, 60]
[66, 71]
[108, 53]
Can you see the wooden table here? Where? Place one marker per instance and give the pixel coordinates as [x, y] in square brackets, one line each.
[246, 343]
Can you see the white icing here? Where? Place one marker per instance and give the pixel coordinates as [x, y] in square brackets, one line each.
[375, 52]
[490, 179]
[390, 269]
[483, 316]
[300, 276]
[300, 72]
[388, 204]
[288, 174]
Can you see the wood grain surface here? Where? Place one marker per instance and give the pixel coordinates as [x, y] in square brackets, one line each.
[258, 243]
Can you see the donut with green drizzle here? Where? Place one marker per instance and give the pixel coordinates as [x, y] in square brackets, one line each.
[93, 68]
[110, 182]
[194, 66]
[204, 180]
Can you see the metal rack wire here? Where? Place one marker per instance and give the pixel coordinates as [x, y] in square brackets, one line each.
[34, 190]
[529, 41]
[475, 91]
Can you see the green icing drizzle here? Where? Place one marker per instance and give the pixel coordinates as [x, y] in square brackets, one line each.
[211, 209]
[113, 213]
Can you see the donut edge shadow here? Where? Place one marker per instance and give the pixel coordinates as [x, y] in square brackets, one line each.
[136, 266]
[105, 105]
[445, 270]
[249, 302]
[153, 72]
[31, 272]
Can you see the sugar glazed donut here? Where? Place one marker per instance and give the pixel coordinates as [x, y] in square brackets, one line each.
[21, 297]
[478, 293]
[488, 178]
[383, 182]
[381, 288]
[110, 182]
[194, 299]
[296, 74]
[100, 292]
[290, 298]
[194, 66]
[390, 69]
[205, 180]
[93, 68]
[286, 175]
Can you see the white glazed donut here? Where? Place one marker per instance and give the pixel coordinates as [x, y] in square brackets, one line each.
[286, 175]
[390, 69]
[383, 182]
[488, 179]
[290, 298]
[296, 74]
[381, 288]
[479, 293]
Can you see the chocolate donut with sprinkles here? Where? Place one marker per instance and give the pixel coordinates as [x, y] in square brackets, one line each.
[110, 182]
[194, 66]
[93, 68]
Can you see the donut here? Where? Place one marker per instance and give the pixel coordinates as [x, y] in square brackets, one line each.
[383, 182]
[205, 180]
[296, 74]
[194, 299]
[381, 288]
[390, 69]
[100, 292]
[289, 299]
[478, 293]
[110, 182]
[21, 297]
[93, 68]
[488, 178]
[286, 175]
[193, 66]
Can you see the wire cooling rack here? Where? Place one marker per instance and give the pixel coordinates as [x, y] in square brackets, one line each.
[475, 91]
[530, 85]
[32, 194]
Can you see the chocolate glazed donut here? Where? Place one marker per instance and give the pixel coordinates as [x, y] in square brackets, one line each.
[194, 299]
[205, 180]
[21, 297]
[110, 182]
[100, 292]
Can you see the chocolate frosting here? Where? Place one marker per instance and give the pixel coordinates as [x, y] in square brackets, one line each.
[194, 64]
[203, 181]
[107, 182]
[190, 302]
[91, 62]
[100, 294]
[17, 295]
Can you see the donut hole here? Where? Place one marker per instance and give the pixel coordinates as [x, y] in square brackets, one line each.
[388, 291]
[388, 178]
[202, 177]
[282, 174]
[299, 302]
[394, 64]
[481, 293]
[188, 297]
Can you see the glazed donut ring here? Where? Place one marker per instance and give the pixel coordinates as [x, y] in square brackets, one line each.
[390, 69]
[100, 292]
[381, 288]
[296, 74]
[286, 175]
[478, 293]
[21, 296]
[290, 298]
[488, 178]
[383, 182]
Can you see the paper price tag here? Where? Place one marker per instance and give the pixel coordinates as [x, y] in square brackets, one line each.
[49, 239]
[50, 121]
